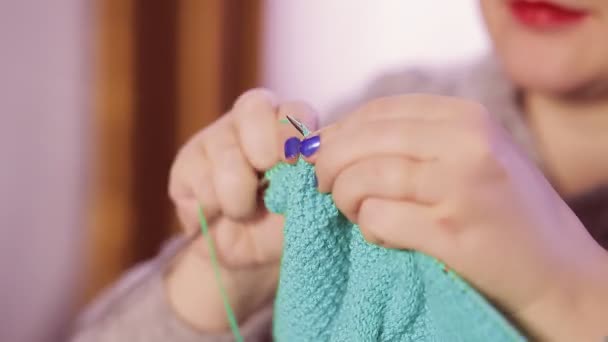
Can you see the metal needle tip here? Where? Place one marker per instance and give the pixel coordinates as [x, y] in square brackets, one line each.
[298, 125]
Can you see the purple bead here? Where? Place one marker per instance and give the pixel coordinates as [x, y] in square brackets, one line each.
[292, 147]
[310, 145]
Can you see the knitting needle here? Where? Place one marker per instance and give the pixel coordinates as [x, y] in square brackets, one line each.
[298, 125]
[302, 129]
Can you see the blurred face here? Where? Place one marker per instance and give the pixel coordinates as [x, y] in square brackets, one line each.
[557, 47]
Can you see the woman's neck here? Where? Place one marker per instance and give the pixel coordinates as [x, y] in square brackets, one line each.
[572, 138]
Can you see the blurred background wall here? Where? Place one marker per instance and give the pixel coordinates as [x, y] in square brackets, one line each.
[163, 70]
[45, 53]
[325, 51]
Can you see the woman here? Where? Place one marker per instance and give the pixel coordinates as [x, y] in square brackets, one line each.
[500, 169]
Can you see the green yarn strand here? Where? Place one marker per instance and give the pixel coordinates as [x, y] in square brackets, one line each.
[234, 326]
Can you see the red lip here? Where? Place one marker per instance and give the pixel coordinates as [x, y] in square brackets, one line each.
[545, 15]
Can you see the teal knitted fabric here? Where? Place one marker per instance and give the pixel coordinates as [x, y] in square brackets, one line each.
[334, 286]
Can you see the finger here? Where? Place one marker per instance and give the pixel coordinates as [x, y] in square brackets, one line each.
[416, 107]
[226, 234]
[413, 140]
[421, 108]
[412, 107]
[190, 184]
[255, 121]
[235, 181]
[385, 177]
[259, 240]
[302, 112]
[266, 235]
[312, 143]
[399, 224]
[187, 214]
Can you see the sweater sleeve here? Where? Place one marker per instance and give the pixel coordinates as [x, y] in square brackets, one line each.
[136, 308]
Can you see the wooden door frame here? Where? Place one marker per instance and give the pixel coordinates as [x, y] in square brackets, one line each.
[163, 70]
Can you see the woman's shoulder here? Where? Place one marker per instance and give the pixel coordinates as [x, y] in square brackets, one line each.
[480, 80]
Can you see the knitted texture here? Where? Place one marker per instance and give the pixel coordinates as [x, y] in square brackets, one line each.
[334, 286]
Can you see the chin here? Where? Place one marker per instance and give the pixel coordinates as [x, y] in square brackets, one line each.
[545, 76]
[555, 77]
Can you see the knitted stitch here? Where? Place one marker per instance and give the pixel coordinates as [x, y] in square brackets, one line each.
[334, 286]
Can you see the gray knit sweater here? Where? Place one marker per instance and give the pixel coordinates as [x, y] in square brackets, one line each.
[136, 308]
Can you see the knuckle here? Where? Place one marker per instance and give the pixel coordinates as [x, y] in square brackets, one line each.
[446, 221]
[186, 217]
[254, 99]
[483, 158]
[469, 115]
[478, 133]
[344, 197]
[174, 193]
[173, 188]
[483, 139]
[178, 175]
[262, 155]
[229, 158]
[480, 148]
[302, 111]
[263, 160]
[368, 235]
[378, 105]
[237, 183]
[367, 223]
[399, 177]
[206, 138]
[238, 193]
[230, 169]
[475, 112]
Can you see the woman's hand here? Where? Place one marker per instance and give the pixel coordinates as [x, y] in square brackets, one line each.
[220, 168]
[438, 175]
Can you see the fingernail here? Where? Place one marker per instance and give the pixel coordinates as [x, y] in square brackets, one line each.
[292, 147]
[310, 145]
